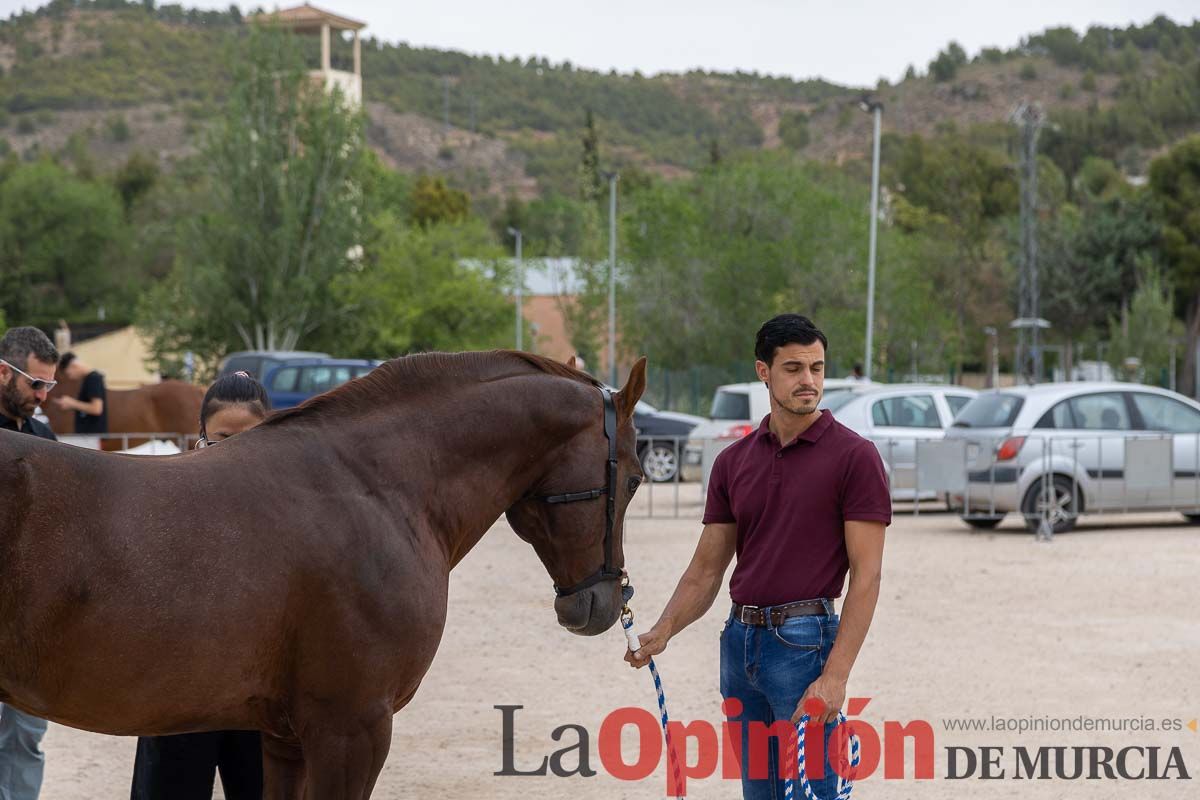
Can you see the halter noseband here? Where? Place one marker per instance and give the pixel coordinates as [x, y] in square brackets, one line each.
[609, 490]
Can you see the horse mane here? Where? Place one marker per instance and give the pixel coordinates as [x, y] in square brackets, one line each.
[421, 372]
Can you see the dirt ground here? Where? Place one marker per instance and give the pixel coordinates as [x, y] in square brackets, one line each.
[1100, 623]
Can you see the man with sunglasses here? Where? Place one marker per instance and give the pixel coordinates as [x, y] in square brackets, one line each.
[27, 363]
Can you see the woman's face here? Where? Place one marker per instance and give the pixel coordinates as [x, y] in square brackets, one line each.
[230, 420]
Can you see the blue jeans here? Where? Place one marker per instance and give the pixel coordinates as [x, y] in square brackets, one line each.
[21, 758]
[768, 670]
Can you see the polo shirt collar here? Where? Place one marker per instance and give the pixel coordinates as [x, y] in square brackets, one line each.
[8, 424]
[814, 432]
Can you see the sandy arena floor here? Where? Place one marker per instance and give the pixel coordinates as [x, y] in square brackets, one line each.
[1103, 622]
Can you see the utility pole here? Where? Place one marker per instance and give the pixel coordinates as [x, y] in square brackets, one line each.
[612, 277]
[875, 108]
[1029, 118]
[516, 234]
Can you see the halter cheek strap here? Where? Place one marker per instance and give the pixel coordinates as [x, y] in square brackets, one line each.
[609, 491]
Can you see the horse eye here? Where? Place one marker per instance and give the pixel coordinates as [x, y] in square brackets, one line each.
[634, 483]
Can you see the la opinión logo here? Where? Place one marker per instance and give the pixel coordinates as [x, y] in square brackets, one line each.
[718, 748]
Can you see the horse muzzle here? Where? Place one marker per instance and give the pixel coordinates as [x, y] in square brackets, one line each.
[590, 611]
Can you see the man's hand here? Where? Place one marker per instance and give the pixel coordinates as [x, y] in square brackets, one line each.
[64, 403]
[831, 691]
[652, 642]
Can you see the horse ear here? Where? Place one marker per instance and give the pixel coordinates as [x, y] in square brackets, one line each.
[631, 392]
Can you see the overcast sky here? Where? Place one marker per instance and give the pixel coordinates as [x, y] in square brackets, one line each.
[850, 42]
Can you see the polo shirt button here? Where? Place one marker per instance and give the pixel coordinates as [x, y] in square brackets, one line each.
[779, 454]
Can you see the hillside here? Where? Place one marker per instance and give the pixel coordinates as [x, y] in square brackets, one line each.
[114, 78]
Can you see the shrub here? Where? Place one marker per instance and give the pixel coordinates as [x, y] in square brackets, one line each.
[118, 128]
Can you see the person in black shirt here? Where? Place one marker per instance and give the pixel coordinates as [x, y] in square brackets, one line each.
[91, 407]
[27, 362]
[185, 766]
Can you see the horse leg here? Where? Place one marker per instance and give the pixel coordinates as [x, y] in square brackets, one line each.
[343, 759]
[283, 769]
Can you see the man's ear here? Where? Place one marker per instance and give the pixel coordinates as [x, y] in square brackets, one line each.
[631, 392]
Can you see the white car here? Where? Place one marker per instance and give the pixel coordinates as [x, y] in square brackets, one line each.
[895, 418]
[1057, 450]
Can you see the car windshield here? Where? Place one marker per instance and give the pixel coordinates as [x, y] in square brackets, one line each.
[731, 405]
[994, 410]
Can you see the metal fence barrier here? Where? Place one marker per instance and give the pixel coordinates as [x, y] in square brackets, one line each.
[1050, 479]
[661, 493]
[133, 442]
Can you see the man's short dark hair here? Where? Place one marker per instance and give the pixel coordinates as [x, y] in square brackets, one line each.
[20, 343]
[783, 330]
[66, 360]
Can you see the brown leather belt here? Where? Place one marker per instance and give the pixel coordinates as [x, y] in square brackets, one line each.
[754, 615]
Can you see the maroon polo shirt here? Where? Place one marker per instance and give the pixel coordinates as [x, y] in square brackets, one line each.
[790, 504]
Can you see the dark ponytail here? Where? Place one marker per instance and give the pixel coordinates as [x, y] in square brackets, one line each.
[238, 388]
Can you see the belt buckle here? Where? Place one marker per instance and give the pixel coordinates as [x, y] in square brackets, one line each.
[742, 614]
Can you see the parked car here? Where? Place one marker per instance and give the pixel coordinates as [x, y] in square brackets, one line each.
[896, 418]
[737, 408]
[1059, 449]
[662, 436]
[259, 362]
[294, 381]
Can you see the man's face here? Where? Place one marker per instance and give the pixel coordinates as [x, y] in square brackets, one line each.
[17, 397]
[796, 377]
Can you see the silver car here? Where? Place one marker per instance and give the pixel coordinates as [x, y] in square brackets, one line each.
[1055, 451]
[896, 418]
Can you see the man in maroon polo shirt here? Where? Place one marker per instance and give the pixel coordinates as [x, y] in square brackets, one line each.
[800, 501]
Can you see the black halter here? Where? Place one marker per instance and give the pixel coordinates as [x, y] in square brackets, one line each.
[607, 571]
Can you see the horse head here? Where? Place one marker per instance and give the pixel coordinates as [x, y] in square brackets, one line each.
[574, 517]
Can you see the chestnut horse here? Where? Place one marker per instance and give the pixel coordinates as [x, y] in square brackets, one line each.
[305, 595]
[167, 407]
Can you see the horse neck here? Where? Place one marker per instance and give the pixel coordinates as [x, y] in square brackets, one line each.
[452, 473]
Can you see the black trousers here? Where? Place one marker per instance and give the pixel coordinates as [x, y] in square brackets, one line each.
[184, 767]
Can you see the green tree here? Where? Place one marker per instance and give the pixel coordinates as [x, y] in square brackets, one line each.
[956, 192]
[433, 202]
[704, 261]
[945, 66]
[61, 241]
[1175, 186]
[1146, 327]
[136, 177]
[282, 219]
[793, 129]
[442, 286]
[591, 185]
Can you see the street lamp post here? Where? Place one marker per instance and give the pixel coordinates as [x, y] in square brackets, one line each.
[875, 108]
[993, 381]
[613, 177]
[516, 234]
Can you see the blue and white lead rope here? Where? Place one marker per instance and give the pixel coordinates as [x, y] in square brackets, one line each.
[632, 640]
[845, 786]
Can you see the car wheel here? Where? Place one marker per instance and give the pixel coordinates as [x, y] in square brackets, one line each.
[983, 523]
[660, 462]
[1062, 505]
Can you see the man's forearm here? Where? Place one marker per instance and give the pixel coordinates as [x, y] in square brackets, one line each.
[857, 611]
[693, 597]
